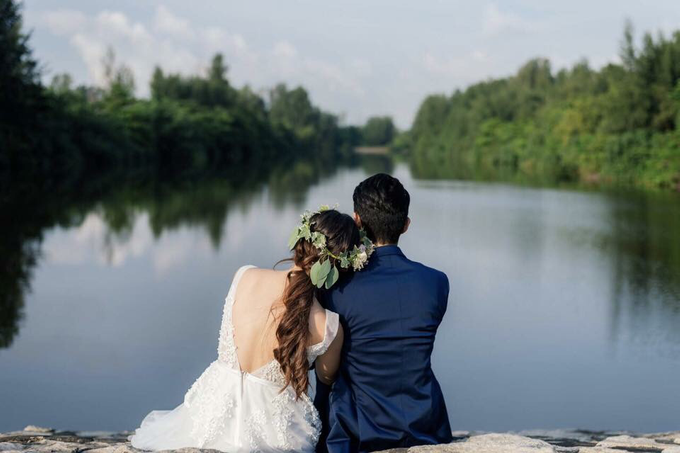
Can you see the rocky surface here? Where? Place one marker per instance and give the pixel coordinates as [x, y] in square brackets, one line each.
[44, 440]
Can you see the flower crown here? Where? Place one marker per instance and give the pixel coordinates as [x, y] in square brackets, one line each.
[323, 273]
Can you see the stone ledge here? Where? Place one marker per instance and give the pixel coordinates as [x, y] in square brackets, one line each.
[44, 440]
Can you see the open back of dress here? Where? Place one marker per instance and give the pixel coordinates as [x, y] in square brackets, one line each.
[231, 410]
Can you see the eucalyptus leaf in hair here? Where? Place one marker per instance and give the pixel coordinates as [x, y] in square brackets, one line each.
[325, 270]
[319, 273]
[314, 273]
[333, 276]
[325, 273]
[294, 236]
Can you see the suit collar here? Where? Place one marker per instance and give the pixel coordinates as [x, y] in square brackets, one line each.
[387, 250]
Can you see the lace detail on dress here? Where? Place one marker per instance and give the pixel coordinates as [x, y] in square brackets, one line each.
[283, 417]
[235, 411]
[272, 373]
[209, 405]
[255, 433]
[311, 416]
[226, 349]
[332, 321]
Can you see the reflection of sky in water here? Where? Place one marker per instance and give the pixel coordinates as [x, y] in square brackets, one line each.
[546, 325]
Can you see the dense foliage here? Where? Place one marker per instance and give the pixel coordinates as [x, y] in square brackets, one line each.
[378, 131]
[21, 99]
[619, 123]
[198, 138]
[190, 126]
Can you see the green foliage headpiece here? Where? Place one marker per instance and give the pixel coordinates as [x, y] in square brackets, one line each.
[323, 273]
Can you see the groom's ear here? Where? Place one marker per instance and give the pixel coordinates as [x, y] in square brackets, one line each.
[357, 219]
[406, 225]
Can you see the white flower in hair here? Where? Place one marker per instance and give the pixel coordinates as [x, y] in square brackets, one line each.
[323, 272]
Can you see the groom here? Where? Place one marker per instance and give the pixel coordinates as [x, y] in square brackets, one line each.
[386, 395]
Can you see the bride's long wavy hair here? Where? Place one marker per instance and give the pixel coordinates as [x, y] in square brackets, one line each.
[292, 332]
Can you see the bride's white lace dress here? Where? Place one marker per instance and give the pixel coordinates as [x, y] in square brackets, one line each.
[234, 411]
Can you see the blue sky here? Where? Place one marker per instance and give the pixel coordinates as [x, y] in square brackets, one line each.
[357, 58]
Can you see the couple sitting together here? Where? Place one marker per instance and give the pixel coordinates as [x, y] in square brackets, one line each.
[353, 309]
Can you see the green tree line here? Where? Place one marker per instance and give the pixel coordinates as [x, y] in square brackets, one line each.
[189, 125]
[616, 124]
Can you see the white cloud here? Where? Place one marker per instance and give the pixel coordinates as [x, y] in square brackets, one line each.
[479, 55]
[285, 50]
[496, 22]
[217, 39]
[452, 66]
[178, 46]
[470, 67]
[361, 68]
[166, 22]
[137, 45]
[319, 75]
[336, 78]
[92, 53]
[64, 22]
[335, 53]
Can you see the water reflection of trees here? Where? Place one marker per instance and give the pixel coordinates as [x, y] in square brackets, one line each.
[27, 212]
[458, 168]
[18, 255]
[644, 246]
[372, 164]
[642, 241]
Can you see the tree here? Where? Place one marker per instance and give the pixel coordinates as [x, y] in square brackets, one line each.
[61, 83]
[157, 83]
[621, 119]
[18, 69]
[212, 90]
[430, 116]
[120, 81]
[378, 131]
[218, 70]
[291, 108]
[627, 49]
[20, 90]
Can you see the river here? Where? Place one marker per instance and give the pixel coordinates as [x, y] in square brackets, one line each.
[564, 308]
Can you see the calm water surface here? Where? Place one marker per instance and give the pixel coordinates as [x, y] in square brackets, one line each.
[564, 308]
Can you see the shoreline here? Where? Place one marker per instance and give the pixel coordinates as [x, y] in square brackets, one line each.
[43, 440]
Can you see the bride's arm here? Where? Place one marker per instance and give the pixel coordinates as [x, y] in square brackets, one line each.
[327, 364]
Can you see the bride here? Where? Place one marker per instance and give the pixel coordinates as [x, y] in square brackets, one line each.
[254, 397]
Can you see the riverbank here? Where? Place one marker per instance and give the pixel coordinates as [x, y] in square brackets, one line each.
[43, 440]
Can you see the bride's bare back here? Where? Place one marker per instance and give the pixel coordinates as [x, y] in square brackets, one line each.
[244, 401]
[241, 401]
[256, 314]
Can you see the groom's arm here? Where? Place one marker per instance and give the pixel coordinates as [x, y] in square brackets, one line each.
[323, 393]
[326, 369]
[444, 289]
[322, 404]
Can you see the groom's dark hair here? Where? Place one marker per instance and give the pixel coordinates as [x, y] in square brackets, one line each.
[382, 203]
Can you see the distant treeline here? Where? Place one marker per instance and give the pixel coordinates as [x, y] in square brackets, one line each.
[190, 124]
[618, 124]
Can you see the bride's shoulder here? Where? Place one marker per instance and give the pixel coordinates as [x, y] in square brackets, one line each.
[249, 271]
[252, 276]
[318, 319]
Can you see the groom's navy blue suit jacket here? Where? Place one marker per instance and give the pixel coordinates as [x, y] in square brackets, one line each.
[386, 395]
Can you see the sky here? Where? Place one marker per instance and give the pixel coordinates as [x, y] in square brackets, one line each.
[357, 58]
